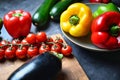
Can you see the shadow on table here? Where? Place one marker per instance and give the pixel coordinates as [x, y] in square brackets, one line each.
[106, 56]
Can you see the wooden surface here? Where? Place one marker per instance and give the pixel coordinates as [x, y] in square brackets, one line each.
[71, 69]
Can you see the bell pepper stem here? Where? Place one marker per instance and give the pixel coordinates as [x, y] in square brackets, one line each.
[114, 30]
[17, 14]
[74, 19]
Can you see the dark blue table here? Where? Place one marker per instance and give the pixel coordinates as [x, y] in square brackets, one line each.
[98, 66]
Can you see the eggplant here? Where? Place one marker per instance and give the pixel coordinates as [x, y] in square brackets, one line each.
[41, 67]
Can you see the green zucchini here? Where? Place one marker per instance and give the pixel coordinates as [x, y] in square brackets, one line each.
[41, 15]
[59, 7]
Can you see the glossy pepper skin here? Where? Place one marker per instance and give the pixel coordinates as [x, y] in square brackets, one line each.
[17, 23]
[106, 30]
[104, 8]
[76, 20]
[100, 1]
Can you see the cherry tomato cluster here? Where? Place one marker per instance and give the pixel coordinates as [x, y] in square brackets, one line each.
[32, 45]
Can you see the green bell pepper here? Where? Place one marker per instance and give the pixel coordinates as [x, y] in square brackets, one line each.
[104, 8]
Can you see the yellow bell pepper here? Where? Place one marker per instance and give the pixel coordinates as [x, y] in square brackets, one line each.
[76, 20]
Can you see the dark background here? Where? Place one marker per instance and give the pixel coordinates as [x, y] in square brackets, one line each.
[97, 65]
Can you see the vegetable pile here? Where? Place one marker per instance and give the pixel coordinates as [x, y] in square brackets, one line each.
[105, 27]
[25, 44]
[75, 18]
[106, 30]
[78, 20]
[104, 24]
[32, 45]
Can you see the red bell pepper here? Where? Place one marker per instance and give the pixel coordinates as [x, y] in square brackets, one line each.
[106, 30]
[17, 23]
[100, 1]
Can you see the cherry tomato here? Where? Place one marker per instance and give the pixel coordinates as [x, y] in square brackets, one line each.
[37, 45]
[50, 41]
[2, 53]
[15, 42]
[25, 43]
[41, 37]
[59, 41]
[21, 52]
[44, 48]
[56, 48]
[32, 51]
[3, 43]
[10, 52]
[67, 50]
[31, 38]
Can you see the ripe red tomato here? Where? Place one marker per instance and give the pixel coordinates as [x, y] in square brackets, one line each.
[50, 41]
[2, 53]
[56, 48]
[15, 42]
[37, 45]
[25, 43]
[31, 38]
[59, 41]
[44, 48]
[10, 52]
[21, 53]
[3, 43]
[32, 51]
[41, 37]
[67, 50]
